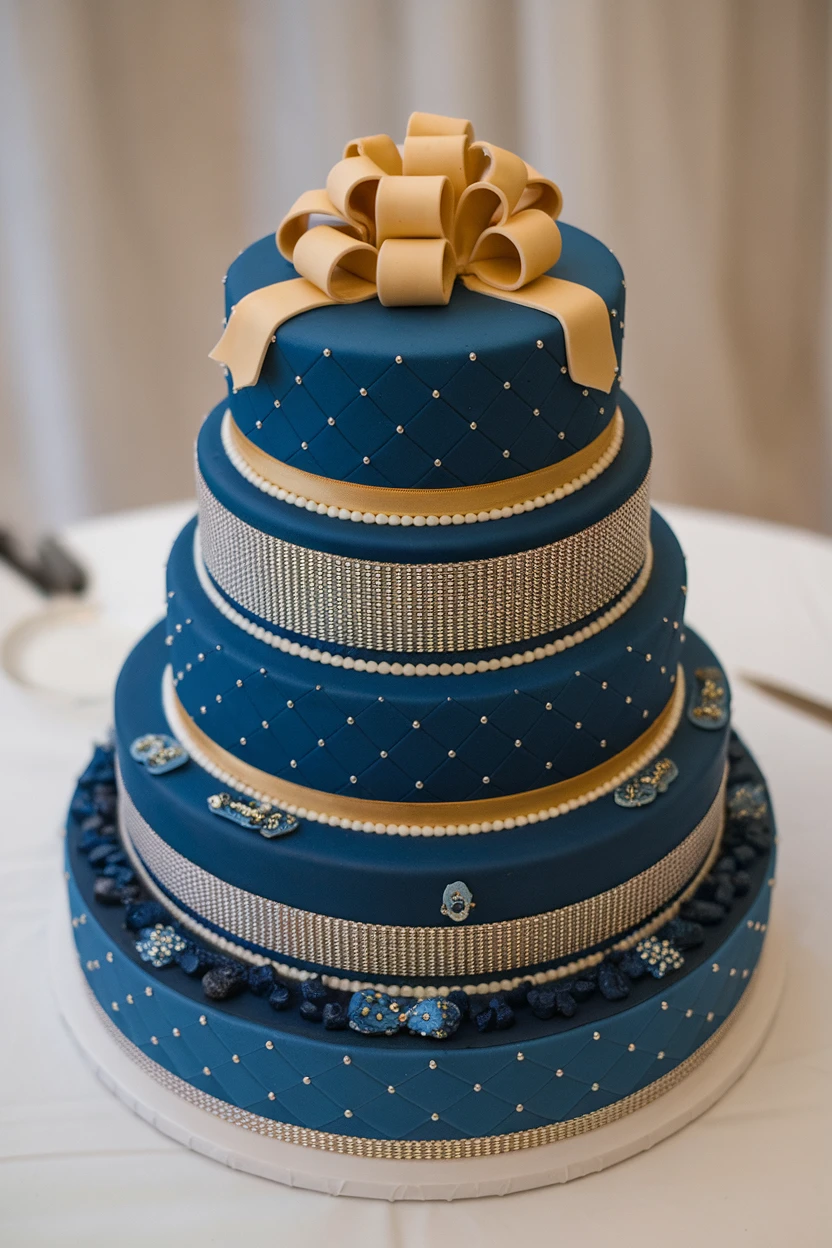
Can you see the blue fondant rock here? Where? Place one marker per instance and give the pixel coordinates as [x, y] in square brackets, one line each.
[486, 1019]
[581, 989]
[261, 980]
[107, 891]
[566, 1004]
[99, 856]
[758, 837]
[436, 1018]
[228, 979]
[91, 840]
[612, 984]
[104, 801]
[315, 991]
[145, 914]
[542, 1002]
[723, 893]
[632, 965]
[312, 1011]
[741, 881]
[683, 933]
[743, 855]
[705, 912]
[375, 1013]
[334, 1016]
[461, 1000]
[279, 997]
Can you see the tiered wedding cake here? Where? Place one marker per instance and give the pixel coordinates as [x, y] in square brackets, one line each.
[432, 837]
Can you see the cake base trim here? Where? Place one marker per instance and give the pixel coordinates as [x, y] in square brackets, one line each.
[423, 818]
[422, 1150]
[646, 901]
[468, 504]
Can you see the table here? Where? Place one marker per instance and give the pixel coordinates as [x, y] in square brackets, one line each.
[79, 1168]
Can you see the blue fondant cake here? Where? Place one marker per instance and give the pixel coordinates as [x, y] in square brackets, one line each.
[410, 791]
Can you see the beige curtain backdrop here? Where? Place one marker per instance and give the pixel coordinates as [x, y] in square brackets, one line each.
[143, 143]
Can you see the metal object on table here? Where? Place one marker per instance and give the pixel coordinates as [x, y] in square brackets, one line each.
[816, 709]
[50, 567]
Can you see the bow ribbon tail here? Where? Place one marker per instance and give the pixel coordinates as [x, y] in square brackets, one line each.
[590, 352]
[254, 320]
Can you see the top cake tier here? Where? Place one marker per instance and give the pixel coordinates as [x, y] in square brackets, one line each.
[471, 393]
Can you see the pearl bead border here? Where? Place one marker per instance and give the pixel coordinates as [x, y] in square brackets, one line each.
[342, 984]
[328, 659]
[178, 727]
[405, 519]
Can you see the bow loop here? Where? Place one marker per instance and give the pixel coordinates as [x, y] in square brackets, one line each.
[415, 272]
[380, 148]
[341, 267]
[541, 193]
[352, 185]
[298, 220]
[501, 169]
[411, 207]
[402, 227]
[511, 255]
[429, 125]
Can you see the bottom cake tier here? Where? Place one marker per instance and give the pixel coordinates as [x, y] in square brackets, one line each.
[537, 1067]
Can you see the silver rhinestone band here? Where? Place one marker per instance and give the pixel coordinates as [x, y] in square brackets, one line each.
[352, 947]
[424, 608]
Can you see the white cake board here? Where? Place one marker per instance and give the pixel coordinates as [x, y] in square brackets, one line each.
[339, 1175]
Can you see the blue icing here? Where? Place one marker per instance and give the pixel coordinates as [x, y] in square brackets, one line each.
[605, 685]
[363, 341]
[672, 1018]
[448, 543]
[522, 871]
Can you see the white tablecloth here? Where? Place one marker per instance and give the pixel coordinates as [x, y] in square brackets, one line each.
[81, 1169]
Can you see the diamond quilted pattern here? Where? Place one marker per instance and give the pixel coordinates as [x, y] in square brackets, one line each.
[440, 1091]
[463, 412]
[566, 719]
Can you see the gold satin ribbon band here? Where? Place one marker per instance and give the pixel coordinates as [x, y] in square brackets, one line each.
[386, 500]
[418, 1150]
[314, 804]
[400, 228]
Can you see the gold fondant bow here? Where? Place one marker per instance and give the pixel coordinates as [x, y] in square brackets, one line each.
[404, 225]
